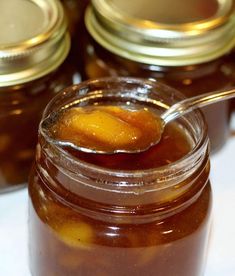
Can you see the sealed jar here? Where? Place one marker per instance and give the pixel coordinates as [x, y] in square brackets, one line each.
[34, 45]
[122, 214]
[185, 44]
[74, 10]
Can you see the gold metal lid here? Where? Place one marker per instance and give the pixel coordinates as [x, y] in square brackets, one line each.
[163, 32]
[33, 39]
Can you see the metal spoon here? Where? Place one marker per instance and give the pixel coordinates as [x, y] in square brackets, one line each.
[175, 111]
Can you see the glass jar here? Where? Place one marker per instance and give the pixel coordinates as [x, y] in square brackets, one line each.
[33, 69]
[86, 219]
[74, 9]
[187, 46]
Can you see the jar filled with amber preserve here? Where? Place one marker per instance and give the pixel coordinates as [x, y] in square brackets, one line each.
[183, 43]
[74, 9]
[145, 213]
[34, 45]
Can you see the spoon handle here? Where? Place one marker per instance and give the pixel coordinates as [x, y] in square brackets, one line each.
[190, 104]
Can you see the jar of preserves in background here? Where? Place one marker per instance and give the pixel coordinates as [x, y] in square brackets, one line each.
[121, 214]
[34, 45]
[74, 10]
[185, 44]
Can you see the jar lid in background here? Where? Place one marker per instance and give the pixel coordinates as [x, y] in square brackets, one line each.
[163, 32]
[33, 39]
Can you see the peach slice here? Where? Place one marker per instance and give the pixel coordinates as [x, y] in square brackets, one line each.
[108, 128]
[75, 234]
[105, 128]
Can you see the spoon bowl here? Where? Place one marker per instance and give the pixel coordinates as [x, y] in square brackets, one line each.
[175, 111]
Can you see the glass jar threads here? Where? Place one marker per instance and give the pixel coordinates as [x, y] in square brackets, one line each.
[186, 46]
[34, 45]
[120, 214]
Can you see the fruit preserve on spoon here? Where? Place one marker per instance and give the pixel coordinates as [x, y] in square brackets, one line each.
[111, 129]
[107, 129]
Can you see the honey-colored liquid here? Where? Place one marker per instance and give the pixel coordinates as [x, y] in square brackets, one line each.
[172, 146]
[21, 109]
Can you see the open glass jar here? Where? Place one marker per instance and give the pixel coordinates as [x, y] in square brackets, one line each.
[33, 50]
[185, 44]
[93, 216]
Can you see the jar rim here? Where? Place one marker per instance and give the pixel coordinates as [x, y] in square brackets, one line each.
[180, 168]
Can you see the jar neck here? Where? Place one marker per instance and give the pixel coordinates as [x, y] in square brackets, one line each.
[112, 64]
[125, 66]
[121, 195]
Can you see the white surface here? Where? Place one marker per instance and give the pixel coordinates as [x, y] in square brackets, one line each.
[221, 259]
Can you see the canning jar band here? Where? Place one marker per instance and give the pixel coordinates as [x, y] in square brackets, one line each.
[25, 57]
[166, 45]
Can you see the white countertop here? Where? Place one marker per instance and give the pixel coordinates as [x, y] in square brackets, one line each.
[221, 259]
